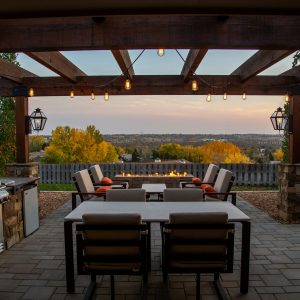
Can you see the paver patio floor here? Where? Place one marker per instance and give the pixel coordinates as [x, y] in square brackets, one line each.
[34, 268]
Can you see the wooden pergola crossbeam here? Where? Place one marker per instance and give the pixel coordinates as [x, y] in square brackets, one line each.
[123, 59]
[194, 58]
[13, 72]
[292, 72]
[58, 63]
[149, 32]
[259, 62]
[156, 85]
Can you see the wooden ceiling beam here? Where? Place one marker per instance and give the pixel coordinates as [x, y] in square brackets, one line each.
[259, 62]
[193, 60]
[149, 32]
[123, 59]
[58, 63]
[158, 85]
[292, 72]
[13, 72]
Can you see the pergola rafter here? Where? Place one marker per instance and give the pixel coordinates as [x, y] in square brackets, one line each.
[193, 60]
[292, 72]
[259, 62]
[13, 72]
[123, 59]
[58, 63]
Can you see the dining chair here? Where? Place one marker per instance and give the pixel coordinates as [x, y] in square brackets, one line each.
[111, 244]
[198, 243]
[99, 179]
[131, 195]
[182, 195]
[209, 177]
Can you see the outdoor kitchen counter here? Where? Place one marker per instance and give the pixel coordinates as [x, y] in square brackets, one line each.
[22, 201]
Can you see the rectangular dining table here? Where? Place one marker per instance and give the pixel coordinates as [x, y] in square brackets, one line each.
[156, 212]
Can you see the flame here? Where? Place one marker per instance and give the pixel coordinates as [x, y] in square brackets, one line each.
[173, 173]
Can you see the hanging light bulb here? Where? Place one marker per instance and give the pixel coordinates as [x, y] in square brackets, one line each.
[106, 96]
[225, 96]
[31, 92]
[93, 95]
[161, 52]
[194, 86]
[244, 96]
[287, 97]
[127, 84]
[72, 94]
[208, 98]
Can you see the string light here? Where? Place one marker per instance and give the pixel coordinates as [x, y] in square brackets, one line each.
[72, 94]
[93, 95]
[106, 96]
[225, 96]
[287, 97]
[194, 86]
[208, 98]
[31, 92]
[244, 97]
[127, 84]
[161, 52]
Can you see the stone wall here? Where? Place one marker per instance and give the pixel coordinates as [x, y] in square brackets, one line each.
[289, 191]
[22, 170]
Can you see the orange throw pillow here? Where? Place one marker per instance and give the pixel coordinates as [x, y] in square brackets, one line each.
[106, 181]
[103, 189]
[209, 189]
[196, 180]
[205, 185]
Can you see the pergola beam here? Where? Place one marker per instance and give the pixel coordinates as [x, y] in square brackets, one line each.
[194, 58]
[259, 62]
[58, 63]
[13, 72]
[149, 32]
[157, 85]
[123, 59]
[292, 72]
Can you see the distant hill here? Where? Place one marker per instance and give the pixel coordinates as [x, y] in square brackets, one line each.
[152, 141]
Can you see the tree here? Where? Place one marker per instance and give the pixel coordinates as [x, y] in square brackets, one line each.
[285, 141]
[135, 155]
[278, 154]
[7, 122]
[36, 143]
[73, 145]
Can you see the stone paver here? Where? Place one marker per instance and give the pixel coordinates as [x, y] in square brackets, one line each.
[34, 268]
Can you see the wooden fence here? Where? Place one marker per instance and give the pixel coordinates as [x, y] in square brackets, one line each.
[246, 174]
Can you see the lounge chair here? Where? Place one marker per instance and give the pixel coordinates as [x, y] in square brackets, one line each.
[111, 244]
[131, 195]
[209, 178]
[85, 188]
[178, 195]
[198, 243]
[99, 179]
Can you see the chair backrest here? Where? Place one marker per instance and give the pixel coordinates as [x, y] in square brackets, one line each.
[132, 195]
[84, 183]
[96, 173]
[110, 242]
[211, 173]
[199, 241]
[178, 194]
[224, 182]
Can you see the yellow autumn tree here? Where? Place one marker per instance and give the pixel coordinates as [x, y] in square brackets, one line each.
[278, 154]
[73, 145]
[223, 152]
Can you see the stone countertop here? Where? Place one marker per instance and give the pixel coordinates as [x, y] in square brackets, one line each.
[15, 183]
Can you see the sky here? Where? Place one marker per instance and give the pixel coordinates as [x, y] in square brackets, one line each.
[159, 114]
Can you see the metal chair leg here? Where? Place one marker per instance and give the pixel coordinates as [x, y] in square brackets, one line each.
[91, 288]
[198, 286]
[112, 287]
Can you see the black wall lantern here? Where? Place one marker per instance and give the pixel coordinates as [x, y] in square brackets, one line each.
[36, 121]
[281, 121]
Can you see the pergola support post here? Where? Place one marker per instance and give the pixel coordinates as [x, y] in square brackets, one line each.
[289, 174]
[22, 139]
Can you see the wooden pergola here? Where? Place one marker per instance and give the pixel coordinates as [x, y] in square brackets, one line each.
[41, 30]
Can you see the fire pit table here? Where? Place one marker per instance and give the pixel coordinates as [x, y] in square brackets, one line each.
[170, 180]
